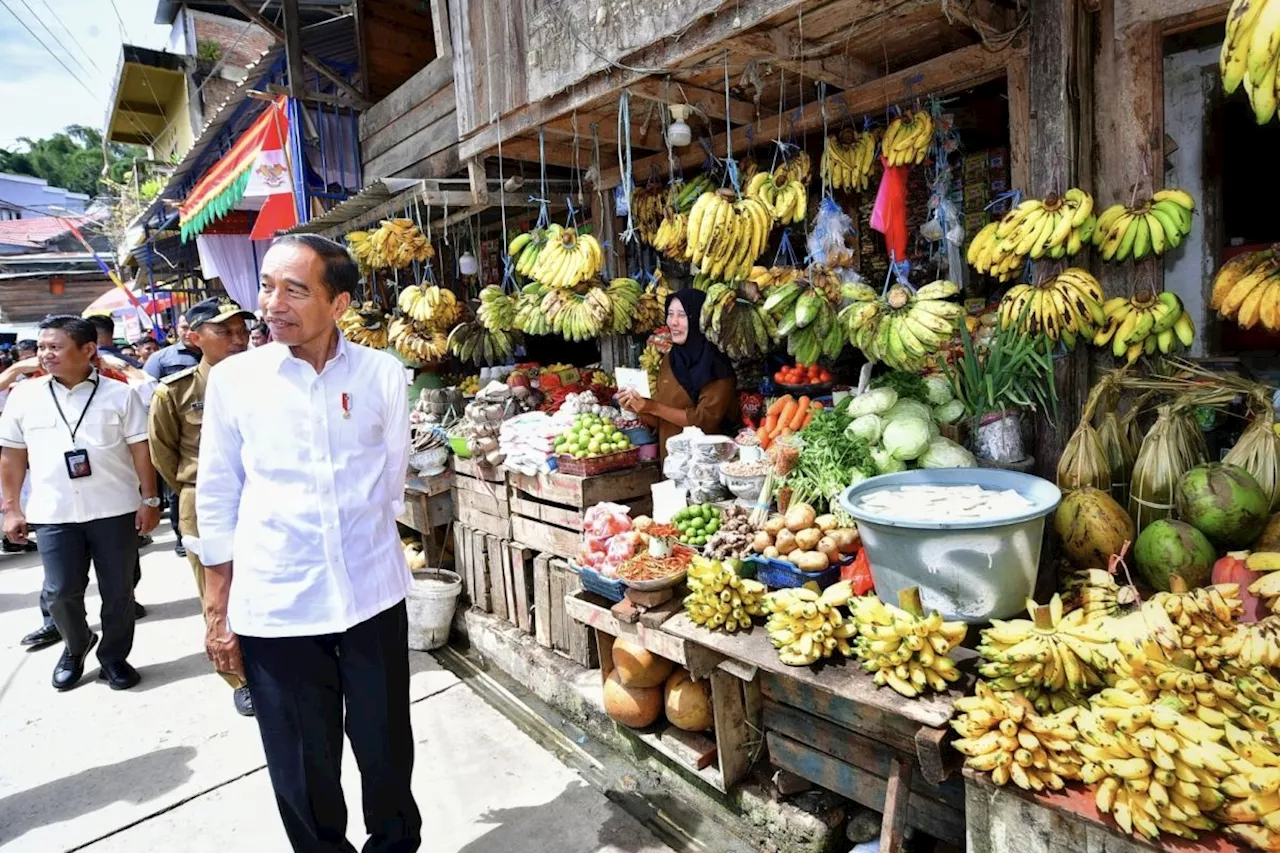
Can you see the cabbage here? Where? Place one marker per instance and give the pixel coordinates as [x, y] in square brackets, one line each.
[945, 453]
[886, 462]
[906, 437]
[867, 428]
[909, 409]
[877, 401]
[856, 477]
[938, 390]
[934, 432]
[949, 412]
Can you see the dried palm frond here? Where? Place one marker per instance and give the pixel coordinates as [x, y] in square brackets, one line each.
[1258, 448]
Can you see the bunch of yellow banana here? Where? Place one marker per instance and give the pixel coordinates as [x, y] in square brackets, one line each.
[432, 306]
[748, 166]
[734, 321]
[568, 259]
[847, 159]
[794, 168]
[902, 329]
[670, 236]
[530, 318]
[361, 248]
[767, 278]
[787, 201]
[624, 296]
[1096, 592]
[1249, 54]
[806, 316]
[651, 309]
[1256, 643]
[1247, 290]
[1009, 740]
[647, 204]
[1205, 617]
[651, 363]
[578, 316]
[365, 324]
[497, 310]
[1152, 227]
[471, 341]
[394, 244]
[1056, 227]
[985, 255]
[719, 599]
[902, 647]
[1053, 658]
[1066, 307]
[907, 139]
[470, 385]
[416, 342]
[525, 248]
[1266, 587]
[1144, 324]
[805, 626]
[725, 236]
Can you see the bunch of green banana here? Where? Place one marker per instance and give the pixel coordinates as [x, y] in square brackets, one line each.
[720, 599]
[651, 309]
[624, 296]
[525, 248]
[471, 341]
[794, 168]
[902, 647]
[734, 321]
[1148, 229]
[530, 318]
[578, 316]
[1247, 289]
[689, 192]
[806, 317]
[1066, 307]
[901, 329]
[787, 201]
[1250, 52]
[1008, 739]
[365, 324]
[1144, 324]
[805, 626]
[434, 307]
[669, 239]
[725, 236]
[1055, 227]
[907, 139]
[847, 159]
[568, 259]
[497, 310]
[415, 342]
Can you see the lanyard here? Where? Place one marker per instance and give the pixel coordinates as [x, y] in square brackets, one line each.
[83, 412]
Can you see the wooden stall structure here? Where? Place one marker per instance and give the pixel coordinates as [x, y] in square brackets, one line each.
[547, 510]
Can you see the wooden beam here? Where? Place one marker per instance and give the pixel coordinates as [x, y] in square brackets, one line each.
[607, 130]
[1133, 12]
[556, 155]
[440, 25]
[1019, 95]
[362, 53]
[293, 48]
[141, 108]
[943, 75]
[479, 181]
[784, 51]
[708, 102]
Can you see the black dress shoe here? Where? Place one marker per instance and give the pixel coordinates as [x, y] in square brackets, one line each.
[119, 674]
[70, 667]
[138, 610]
[45, 635]
[180, 550]
[244, 702]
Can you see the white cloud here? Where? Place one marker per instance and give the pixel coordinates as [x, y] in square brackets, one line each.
[37, 96]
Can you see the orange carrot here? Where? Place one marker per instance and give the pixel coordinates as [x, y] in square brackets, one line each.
[770, 424]
[779, 404]
[798, 416]
[765, 441]
[788, 412]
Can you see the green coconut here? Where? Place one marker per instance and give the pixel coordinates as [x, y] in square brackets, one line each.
[1225, 503]
[1167, 548]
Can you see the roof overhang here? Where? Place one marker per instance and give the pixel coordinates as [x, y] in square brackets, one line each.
[146, 81]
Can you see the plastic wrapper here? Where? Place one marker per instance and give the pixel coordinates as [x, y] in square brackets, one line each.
[712, 449]
[606, 519]
[593, 551]
[682, 442]
[704, 473]
[829, 239]
[621, 548]
[675, 466]
[700, 493]
[889, 216]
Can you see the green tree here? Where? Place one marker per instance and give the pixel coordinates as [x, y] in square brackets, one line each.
[72, 159]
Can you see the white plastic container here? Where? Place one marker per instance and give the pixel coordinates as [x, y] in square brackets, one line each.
[431, 603]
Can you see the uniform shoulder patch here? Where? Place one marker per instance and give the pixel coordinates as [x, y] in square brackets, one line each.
[181, 374]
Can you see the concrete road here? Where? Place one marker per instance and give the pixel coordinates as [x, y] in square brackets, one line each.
[169, 765]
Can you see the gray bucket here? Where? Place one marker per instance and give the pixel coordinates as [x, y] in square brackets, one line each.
[431, 602]
[968, 570]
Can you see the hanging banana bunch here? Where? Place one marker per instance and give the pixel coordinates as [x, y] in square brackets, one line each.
[734, 320]
[1145, 324]
[624, 296]
[524, 250]
[365, 324]
[785, 199]
[471, 341]
[726, 236]
[907, 139]
[902, 329]
[1150, 228]
[530, 318]
[1065, 307]
[804, 310]
[795, 168]
[847, 159]
[671, 234]
[647, 205]
[497, 310]
[651, 309]
[1054, 227]
[434, 307]
[416, 342]
[568, 259]
[578, 316]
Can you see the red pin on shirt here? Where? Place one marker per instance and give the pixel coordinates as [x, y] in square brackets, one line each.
[346, 405]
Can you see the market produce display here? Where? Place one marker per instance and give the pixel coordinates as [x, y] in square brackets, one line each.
[1225, 503]
[734, 319]
[1258, 448]
[907, 139]
[726, 236]
[902, 432]
[808, 541]
[719, 598]
[1010, 740]
[1249, 54]
[1091, 526]
[471, 341]
[902, 647]
[802, 374]
[804, 308]
[903, 329]
[1066, 307]
[416, 341]
[847, 159]
[567, 259]
[577, 316]
[651, 307]
[591, 435]
[687, 703]
[365, 324]
[697, 523]
[1157, 224]
[786, 200]
[805, 626]
[735, 535]
[394, 244]
[1247, 290]
[672, 234]
[1166, 548]
[1054, 227]
[1144, 324]
[431, 306]
[497, 311]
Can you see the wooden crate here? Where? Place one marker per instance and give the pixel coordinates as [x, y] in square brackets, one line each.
[427, 502]
[553, 580]
[480, 497]
[547, 510]
[720, 757]
[470, 561]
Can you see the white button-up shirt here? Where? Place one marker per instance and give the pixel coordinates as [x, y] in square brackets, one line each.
[114, 420]
[300, 481]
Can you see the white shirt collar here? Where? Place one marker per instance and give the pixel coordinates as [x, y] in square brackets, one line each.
[92, 379]
[282, 355]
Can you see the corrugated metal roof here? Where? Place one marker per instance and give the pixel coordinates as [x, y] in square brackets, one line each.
[376, 193]
[33, 233]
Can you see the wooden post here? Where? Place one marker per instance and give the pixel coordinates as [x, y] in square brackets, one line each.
[897, 792]
[293, 48]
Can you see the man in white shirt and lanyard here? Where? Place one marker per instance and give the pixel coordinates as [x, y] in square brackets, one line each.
[303, 454]
[85, 438]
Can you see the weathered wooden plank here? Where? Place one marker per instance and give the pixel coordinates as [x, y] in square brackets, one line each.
[585, 492]
[733, 728]
[414, 514]
[936, 762]
[586, 610]
[464, 69]
[561, 516]
[878, 724]
[421, 87]
[559, 618]
[491, 524]
[1157, 11]
[439, 510]
[399, 132]
[480, 487]
[897, 793]
[1019, 122]
[582, 649]
[460, 564]
[480, 567]
[494, 504]
[440, 27]
[942, 822]
[542, 600]
[508, 581]
[471, 468]
[416, 147]
[442, 164]
[494, 549]
[548, 538]
[522, 584]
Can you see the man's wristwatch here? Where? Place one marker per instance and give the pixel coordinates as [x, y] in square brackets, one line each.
[154, 503]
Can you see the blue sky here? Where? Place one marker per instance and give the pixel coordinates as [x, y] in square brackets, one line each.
[37, 96]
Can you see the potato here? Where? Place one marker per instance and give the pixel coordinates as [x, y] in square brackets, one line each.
[771, 552]
[828, 546]
[785, 541]
[761, 541]
[807, 539]
[773, 525]
[826, 522]
[811, 561]
[799, 517]
[846, 539]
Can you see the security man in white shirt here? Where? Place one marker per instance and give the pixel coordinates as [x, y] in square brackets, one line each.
[85, 438]
[303, 454]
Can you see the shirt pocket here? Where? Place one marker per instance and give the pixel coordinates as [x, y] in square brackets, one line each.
[101, 429]
[193, 416]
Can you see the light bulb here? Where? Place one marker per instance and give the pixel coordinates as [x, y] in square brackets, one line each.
[467, 264]
[679, 134]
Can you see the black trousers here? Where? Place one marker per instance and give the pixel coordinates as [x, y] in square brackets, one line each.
[46, 593]
[299, 687]
[66, 551]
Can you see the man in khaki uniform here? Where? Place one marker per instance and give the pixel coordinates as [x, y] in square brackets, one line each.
[217, 328]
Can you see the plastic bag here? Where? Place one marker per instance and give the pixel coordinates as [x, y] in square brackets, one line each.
[675, 466]
[621, 548]
[859, 573]
[606, 519]
[593, 551]
[889, 216]
[828, 242]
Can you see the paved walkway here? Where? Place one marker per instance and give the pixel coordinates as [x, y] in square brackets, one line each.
[169, 765]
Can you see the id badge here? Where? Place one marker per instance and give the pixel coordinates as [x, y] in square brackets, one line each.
[77, 464]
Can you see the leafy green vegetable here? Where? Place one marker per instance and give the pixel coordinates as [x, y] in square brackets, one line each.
[1013, 371]
[906, 437]
[945, 453]
[908, 386]
[830, 461]
[874, 402]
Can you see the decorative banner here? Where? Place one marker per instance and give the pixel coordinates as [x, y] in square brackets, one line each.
[255, 167]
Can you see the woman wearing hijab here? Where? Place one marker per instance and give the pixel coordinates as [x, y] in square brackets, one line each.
[696, 385]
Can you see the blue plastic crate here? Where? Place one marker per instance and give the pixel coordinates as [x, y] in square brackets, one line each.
[592, 581]
[778, 574]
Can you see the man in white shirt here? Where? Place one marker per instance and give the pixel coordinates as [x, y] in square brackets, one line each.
[85, 438]
[303, 454]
